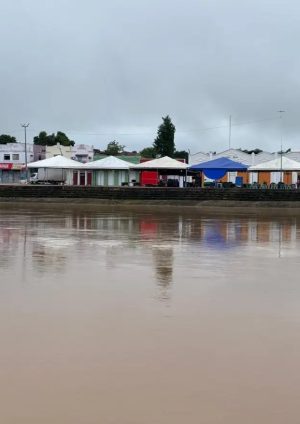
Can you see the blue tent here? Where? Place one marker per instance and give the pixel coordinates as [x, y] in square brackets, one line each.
[217, 168]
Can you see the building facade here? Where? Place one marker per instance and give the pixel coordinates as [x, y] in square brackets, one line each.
[58, 149]
[83, 153]
[12, 161]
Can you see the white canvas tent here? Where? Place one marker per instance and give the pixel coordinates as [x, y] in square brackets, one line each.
[172, 168]
[111, 171]
[162, 163]
[56, 167]
[56, 162]
[276, 167]
[278, 164]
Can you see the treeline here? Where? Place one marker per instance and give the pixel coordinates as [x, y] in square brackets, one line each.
[43, 139]
[163, 145]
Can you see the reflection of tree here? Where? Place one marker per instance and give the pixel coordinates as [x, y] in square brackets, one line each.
[163, 261]
[9, 241]
[45, 258]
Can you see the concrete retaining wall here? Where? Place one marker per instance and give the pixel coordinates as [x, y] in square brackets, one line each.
[142, 194]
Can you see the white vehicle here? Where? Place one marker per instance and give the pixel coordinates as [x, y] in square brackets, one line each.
[33, 178]
[48, 176]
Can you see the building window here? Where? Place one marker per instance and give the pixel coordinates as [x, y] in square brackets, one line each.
[15, 156]
[6, 157]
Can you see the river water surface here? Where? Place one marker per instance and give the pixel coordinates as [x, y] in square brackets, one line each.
[119, 316]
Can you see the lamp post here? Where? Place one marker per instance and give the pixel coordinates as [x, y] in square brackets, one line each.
[281, 137]
[25, 126]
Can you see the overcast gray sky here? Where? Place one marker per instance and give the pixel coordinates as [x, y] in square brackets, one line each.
[104, 70]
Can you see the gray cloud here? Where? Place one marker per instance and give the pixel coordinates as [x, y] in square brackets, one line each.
[110, 70]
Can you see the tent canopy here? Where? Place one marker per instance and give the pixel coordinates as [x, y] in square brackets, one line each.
[279, 164]
[56, 162]
[217, 168]
[162, 163]
[110, 162]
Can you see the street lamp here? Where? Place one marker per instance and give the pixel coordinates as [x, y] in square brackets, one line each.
[25, 126]
[281, 137]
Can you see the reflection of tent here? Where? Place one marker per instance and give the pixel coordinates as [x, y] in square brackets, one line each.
[217, 168]
[56, 162]
[278, 164]
[216, 236]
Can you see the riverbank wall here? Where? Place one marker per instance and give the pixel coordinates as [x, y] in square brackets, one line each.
[152, 195]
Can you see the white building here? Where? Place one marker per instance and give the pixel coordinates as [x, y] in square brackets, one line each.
[12, 161]
[293, 156]
[198, 157]
[58, 150]
[83, 153]
[236, 155]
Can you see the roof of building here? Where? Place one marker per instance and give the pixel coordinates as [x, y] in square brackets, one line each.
[235, 155]
[198, 157]
[293, 155]
[262, 157]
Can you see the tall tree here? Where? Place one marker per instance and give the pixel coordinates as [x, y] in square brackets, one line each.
[44, 139]
[164, 143]
[114, 148]
[5, 138]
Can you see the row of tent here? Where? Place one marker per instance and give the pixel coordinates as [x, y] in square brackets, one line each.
[217, 168]
[110, 162]
[213, 169]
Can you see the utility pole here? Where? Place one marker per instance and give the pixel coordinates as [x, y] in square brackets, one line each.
[25, 126]
[281, 138]
[229, 134]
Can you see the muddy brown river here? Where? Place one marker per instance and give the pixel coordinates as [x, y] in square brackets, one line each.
[131, 316]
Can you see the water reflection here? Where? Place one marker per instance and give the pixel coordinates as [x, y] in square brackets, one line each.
[180, 313]
[163, 264]
[52, 241]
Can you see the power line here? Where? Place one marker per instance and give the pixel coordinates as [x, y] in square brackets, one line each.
[109, 134]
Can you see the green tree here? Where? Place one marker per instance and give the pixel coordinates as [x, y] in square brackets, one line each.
[63, 139]
[114, 148]
[181, 154]
[44, 139]
[164, 143]
[148, 152]
[5, 138]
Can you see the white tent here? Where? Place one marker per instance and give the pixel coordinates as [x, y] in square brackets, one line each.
[111, 171]
[110, 162]
[278, 164]
[56, 162]
[161, 163]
